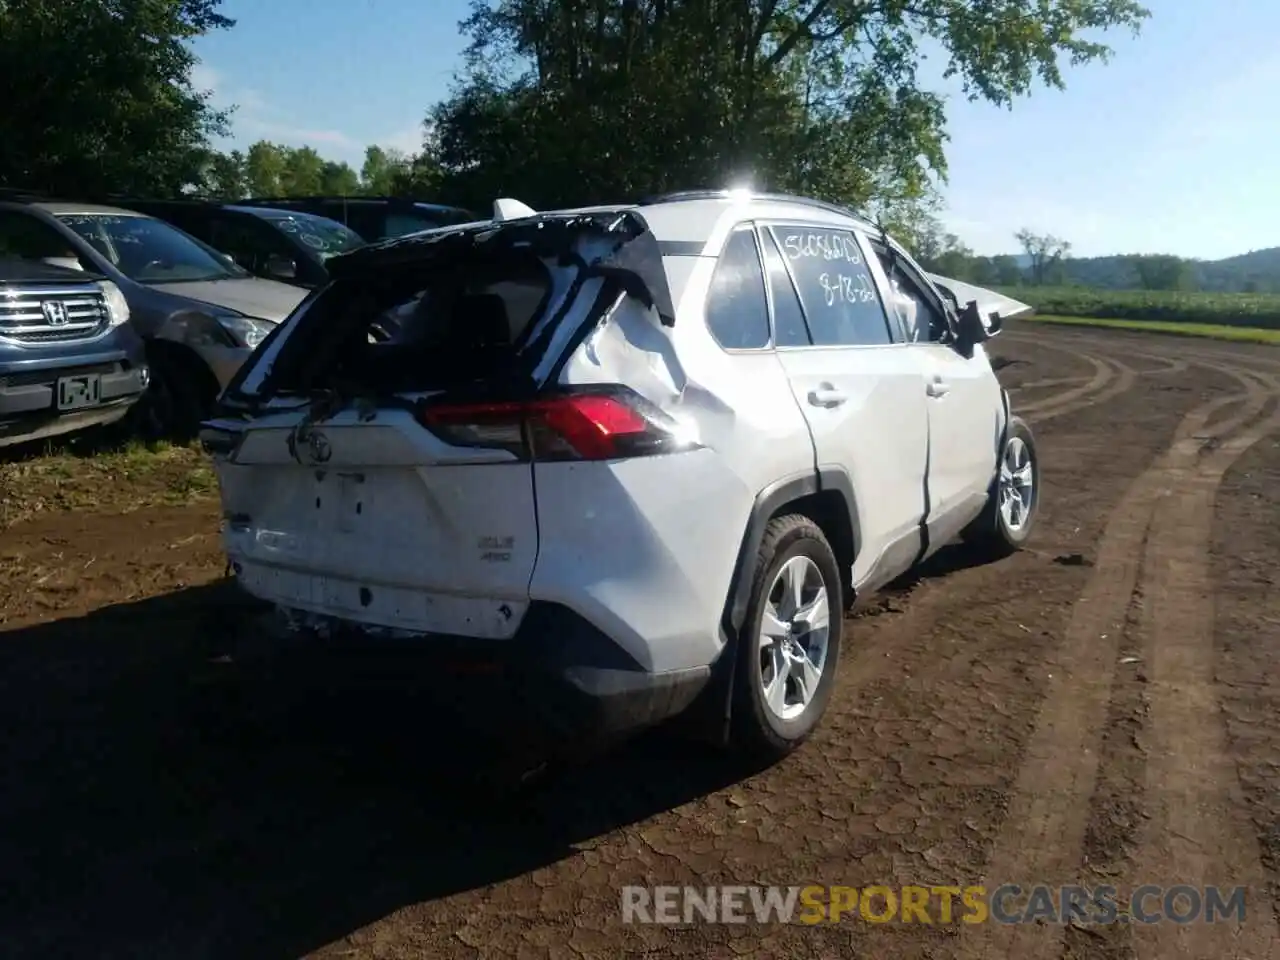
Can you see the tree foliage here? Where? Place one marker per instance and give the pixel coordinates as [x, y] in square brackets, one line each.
[580, 100]
[98, 94]
[1045, 254]
[1161, 271]
[269, 169]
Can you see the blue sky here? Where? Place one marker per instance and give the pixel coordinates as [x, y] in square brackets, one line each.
[1171, 147]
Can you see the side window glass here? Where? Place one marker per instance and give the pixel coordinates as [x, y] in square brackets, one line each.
[365, 219]
[241, 242]
[788, 318]
[921, 319]
[398, 224]
[737, 311]
[836, 288]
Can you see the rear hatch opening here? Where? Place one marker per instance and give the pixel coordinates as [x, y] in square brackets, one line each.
[482, 309]
[377, 451]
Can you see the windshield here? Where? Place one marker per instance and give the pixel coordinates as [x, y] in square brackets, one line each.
[149, 250]
[320, 236]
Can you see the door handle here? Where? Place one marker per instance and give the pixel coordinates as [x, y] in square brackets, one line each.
[937, 387]
[825, 395]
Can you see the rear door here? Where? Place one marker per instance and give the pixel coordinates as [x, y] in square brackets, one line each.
[965, 410]
[857, 383]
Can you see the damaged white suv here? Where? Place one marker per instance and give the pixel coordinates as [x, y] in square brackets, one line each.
[645, 455]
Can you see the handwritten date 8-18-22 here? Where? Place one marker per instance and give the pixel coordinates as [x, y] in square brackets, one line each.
[844, 289]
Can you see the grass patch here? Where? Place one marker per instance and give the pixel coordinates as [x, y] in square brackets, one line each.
[1175, 327]
[79, 476]
[1252, 310]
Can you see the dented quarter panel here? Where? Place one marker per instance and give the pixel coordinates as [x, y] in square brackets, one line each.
[616, 534]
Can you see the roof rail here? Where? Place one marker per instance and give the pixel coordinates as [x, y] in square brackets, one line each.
[682, 196]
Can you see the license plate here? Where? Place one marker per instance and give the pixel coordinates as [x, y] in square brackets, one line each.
[77, 392]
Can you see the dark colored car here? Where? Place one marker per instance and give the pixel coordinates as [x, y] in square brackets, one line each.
[199, 314]
[69, 358]
[286, 245]
[374, 218]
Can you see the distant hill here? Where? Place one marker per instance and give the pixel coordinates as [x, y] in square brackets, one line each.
[1254, 272]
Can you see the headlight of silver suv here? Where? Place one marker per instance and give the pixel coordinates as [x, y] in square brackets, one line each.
[246, 331]
[117, 305]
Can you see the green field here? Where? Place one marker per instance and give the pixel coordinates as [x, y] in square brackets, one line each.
[1257, 310]
[1180, 328]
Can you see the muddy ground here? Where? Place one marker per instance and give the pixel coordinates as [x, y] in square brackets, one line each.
[1099, 709]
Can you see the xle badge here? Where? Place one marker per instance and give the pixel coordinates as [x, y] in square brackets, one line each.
[496, 549]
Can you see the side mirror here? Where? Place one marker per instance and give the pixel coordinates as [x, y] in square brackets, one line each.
[970, 330]
[281, 268]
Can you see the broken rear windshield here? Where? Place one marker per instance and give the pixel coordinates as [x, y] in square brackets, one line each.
[419, 328]
[476, 306]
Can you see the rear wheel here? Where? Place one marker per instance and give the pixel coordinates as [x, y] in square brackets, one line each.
[1006, 521]
[790, 642]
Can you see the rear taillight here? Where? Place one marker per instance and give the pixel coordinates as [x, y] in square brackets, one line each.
[605, 425]
[219, 443]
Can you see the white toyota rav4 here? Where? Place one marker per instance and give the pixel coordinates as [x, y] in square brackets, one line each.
[644, 455]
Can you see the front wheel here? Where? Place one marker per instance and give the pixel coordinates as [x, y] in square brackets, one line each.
[177, 399]
[1010, 513]
[790, 641]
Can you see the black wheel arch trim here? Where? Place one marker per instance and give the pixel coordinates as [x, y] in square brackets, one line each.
[714, 709]
[767, 503]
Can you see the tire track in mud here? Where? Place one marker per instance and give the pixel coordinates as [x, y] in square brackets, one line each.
[919, 603]
[1041, 839]
[1110, 379]
[1199, 831]
[867, 666]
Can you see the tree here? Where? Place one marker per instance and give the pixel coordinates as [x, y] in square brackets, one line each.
[936, 249]
[569, 101]
[275, 170]
[1161, 271]
[302, 173]
[338, 179]
[1045, 253]
[98, 95]
[223, 176]
[383, 171]
[265, 169]
[1005, 271]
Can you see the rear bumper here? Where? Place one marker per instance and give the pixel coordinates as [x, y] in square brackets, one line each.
[558, 681]
[578, 684]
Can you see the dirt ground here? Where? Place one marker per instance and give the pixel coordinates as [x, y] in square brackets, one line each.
[1100, 709]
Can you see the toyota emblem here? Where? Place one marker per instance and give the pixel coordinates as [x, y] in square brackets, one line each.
[319, 447]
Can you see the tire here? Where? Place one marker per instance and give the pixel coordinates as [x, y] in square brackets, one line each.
[177, 399]
[792, 546]
[994, 534]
